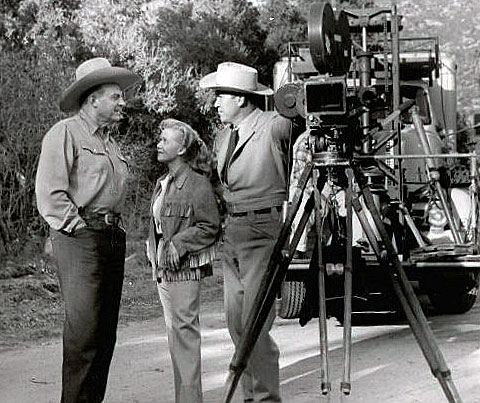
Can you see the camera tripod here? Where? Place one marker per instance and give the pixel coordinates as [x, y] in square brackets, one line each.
[358, 198]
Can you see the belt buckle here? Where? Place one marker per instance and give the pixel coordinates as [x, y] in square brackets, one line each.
[239, 214]
[107, 219]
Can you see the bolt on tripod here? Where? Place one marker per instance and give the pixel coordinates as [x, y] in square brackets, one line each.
[358, 198]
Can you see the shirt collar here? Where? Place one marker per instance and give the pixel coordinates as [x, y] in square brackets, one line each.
[92, 126]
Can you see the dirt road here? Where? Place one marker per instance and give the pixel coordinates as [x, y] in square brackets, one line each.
[387, 364]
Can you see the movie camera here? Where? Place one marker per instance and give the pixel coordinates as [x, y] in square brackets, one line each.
[336, 99]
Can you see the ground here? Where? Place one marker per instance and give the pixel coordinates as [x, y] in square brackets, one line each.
[31, 307]
[387, 363]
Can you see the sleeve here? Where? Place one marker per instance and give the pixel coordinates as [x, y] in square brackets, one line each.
[282, 129]
[204, 231]
[52, 180]
[279, 131]
[215, 179]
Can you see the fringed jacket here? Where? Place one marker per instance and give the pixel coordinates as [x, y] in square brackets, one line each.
[189, 219]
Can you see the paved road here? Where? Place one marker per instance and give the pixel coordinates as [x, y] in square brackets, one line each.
[387, 364]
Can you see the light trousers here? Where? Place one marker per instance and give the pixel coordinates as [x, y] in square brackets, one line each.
[249, 242]
[181, 308]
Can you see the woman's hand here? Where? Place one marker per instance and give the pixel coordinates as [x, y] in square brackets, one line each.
[173, 257]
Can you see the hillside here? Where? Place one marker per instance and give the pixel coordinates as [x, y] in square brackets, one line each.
[456, 24]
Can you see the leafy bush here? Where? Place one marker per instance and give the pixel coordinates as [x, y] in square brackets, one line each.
[42, 42]
[29, 88]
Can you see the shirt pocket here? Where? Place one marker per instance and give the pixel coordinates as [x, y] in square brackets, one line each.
[92, 160]
[124, 167]
[121, 163]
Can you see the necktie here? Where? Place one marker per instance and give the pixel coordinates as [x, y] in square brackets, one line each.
[231, 147]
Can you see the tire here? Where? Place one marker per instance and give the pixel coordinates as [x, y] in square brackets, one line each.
[289, 304]
[455, 299]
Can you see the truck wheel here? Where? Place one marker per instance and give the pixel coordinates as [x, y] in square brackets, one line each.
[289, 303]
[454, 300]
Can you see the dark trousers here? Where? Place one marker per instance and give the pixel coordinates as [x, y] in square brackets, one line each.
[90, 269]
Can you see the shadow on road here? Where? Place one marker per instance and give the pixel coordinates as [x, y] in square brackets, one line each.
[387, 364]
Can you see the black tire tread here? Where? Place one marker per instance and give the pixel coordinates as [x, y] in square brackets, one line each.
[292, 295]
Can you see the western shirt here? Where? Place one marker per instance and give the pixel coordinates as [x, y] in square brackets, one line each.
[79, 167]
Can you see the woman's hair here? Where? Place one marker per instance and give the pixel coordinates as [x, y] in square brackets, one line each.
[196, 153]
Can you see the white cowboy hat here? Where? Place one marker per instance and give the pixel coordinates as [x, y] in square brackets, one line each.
[90, 74]
[235, 77]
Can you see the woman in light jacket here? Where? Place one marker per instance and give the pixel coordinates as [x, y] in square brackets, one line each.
[184, 227]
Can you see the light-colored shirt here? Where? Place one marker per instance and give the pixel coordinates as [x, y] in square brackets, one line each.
[79, 167]
[157, 204]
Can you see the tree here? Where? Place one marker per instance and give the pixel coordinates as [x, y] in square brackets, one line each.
[200, 35]
[284, 23]
[203, 38]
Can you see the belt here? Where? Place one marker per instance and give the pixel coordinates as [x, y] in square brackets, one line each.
[102, 221]
[266, 210]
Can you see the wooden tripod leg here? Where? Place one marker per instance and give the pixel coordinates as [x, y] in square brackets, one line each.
[325, 384]
[345, 385]
[402, 287]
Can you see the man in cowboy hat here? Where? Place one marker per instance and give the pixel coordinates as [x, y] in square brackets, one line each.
[253, 178]
[80, 189]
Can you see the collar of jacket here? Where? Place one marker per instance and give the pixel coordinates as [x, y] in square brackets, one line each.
[247, 124]
[180, 175]
[246, 130]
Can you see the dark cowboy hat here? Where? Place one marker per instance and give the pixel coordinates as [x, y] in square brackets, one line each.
[235, 77]
[90, 74]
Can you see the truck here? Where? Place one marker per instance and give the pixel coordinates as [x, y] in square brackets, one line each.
[427, 193]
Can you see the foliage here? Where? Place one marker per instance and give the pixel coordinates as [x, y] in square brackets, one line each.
[454, 23]
[28, 86]
[43, 28]
[284, 23]
[42, 42]
[35, 51]
[16, 20]
[304, 5]
[202, 38]
[194, 37]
